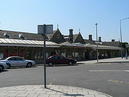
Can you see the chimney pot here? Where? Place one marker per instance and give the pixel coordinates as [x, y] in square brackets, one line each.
[90, 37]
[71, 35]
[113, 40]
[99, 39]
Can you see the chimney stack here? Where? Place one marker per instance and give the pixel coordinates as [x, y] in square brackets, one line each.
[70, 35]
[90, 37]
[113, 40]
[99, 39]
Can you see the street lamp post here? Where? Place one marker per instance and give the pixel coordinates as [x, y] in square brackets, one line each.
[121, 34]
[121, 40]
[97, 43]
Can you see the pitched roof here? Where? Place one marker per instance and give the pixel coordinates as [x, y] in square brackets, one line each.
[114, 43]
[89, 41]
[75, 37]
[78, 38]
[51, 35]
[15, 35]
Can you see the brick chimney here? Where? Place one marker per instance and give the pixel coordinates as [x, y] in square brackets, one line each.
[90, 37]
[99, 39]
[70, 35]
[113, 40]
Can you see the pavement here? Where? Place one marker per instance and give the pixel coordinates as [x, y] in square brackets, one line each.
[109, 60]
[51, 91]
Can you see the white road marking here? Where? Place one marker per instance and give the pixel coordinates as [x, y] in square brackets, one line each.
[108, 70]
[119, 81]
[127, 70]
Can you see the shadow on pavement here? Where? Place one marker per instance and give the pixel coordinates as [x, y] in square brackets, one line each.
[4, 71]
[61, 65]
[115, 62]
[65, 94]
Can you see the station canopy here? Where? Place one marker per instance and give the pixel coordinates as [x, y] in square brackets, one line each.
[72, 44]
[36, 43]
[103, 47]
[92, 46]
[26, 43]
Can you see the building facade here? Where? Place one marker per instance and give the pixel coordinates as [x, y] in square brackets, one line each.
[30, 45]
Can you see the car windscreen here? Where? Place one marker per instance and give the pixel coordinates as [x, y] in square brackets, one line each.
[11, 59]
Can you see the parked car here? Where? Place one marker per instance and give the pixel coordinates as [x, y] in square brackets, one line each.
[17, 61]
[57, 59]
[3, 66]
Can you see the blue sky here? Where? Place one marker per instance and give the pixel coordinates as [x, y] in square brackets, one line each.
[25, 15]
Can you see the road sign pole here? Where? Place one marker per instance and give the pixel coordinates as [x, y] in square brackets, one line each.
[44, 52]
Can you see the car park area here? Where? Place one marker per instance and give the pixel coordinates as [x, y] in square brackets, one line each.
[109, 78]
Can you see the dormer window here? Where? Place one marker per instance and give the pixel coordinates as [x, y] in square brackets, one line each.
[6, 35]
[21, 36]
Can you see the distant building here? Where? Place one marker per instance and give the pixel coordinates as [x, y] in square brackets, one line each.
[49, 29]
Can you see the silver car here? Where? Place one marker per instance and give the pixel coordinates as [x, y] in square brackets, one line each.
[18, 61]
[3, 66]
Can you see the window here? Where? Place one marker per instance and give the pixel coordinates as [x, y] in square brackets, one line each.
[21, 36]
[12, 59]
[6, 35]
[62, 57]
[55, 57]
[19, 59]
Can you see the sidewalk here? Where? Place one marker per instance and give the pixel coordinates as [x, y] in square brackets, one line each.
[51, 91]
[109, 60]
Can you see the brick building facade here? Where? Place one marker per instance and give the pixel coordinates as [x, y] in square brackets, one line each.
[30, 46]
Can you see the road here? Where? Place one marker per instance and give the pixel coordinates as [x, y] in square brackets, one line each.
[110, 78]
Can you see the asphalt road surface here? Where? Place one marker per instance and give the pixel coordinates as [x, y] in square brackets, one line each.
[110, 78]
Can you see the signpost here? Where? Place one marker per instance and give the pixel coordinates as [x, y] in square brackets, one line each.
[44, 52]
[42, 31]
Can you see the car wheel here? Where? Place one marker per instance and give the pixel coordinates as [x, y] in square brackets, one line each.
[50, 64]
[70, 63]
[1, 68]
[29, 64]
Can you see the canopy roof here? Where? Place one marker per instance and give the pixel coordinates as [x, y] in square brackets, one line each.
[103, 47]
[36, 43]
[92, 46]
[26, 43]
